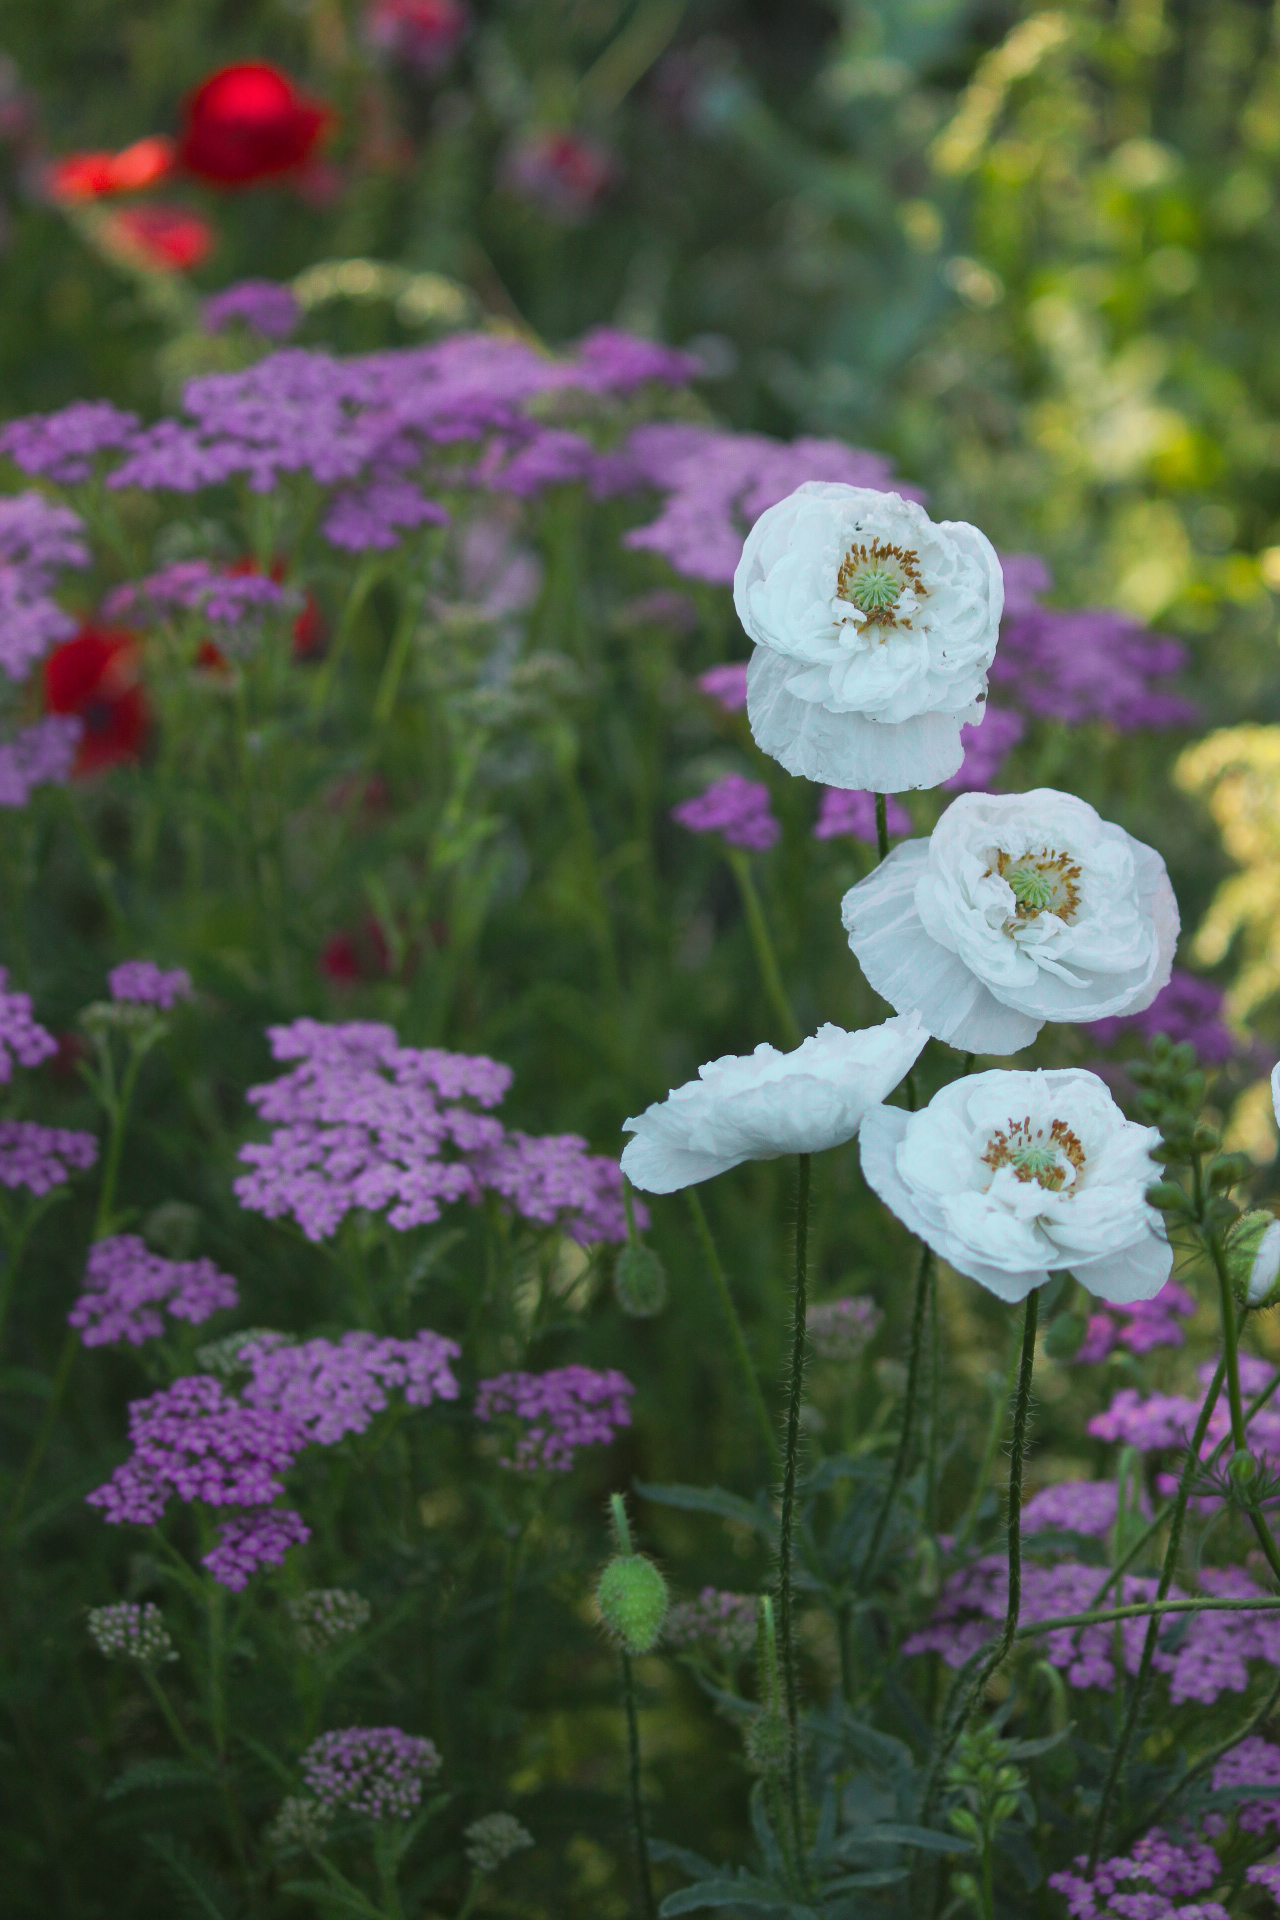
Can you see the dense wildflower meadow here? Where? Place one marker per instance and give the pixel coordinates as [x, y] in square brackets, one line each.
[639, 881]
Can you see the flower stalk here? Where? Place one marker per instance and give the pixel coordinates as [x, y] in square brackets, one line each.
[787, 1526]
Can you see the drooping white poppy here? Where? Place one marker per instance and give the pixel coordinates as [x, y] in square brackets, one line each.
[874, 628]
[1010, 1177]
[761, 1105]
[1020, 908]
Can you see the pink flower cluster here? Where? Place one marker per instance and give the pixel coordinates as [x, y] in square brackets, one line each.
[739, 810]
[22, 1038]
[1254, 1763]
[41, 755]
[37, 539]
[725, 1622]
[1163, 1422]
[553, 1414]
[1141, 1327]
[250, 1541]
[41, 1158]
[329, 1389]
[143, 983]
[125, 1284]
[1073, 1506]
[850, 815]
[1144, 1884]
[375, 1771]
[727, 686]
[841, 1330]
[362, 1122]
[198, 1442]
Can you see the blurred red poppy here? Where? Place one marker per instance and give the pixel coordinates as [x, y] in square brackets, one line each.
[348, 958]
[249, 123]
[165, 239]
[309, 628]
[92, 176]
[95, 677]
[211, 659]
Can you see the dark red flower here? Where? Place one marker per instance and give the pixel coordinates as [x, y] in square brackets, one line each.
[211, 659]
[165, 239]
[92, 176]
[567, 174]
[95, 677]
[308, 628]
[348, 958]
[249, 123]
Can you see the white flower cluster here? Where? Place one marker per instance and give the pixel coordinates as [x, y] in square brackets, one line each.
[300, 1826]
[874, 628]
[493, 1839]
[325, 1615]
[127, 1631]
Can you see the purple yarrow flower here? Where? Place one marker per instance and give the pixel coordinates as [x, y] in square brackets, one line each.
[1266, 1875]
[196, 586]
[265, 305]
[1143, 1885]
[986, 748]
[1189, 1008]
[62, 446]
[373, 519]
[41, 1158]
[37, 538]
[851, 815]
[331, 1389]
[1142, 1326]
[144, 983]
[375, 1771]
[555, 1413]
[1254, 1763]
[616, 362]
[197, 1441]
[727, 686]
[125, 1283]
[1073, 1506]
[739, 810]
[725, 1622]
[553, 1180]
[250, 1541]
[41, 755]
[842, 1330]
[554, 457]
[1162, 1422]
[22, 1038]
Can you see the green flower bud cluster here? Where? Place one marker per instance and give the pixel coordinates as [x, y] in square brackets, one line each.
[991, 1788]
[1173, 1088]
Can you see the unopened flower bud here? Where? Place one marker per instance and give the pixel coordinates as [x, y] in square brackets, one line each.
[1228, 1170]
[1253, 1258]
[1243, 1469]
[769, 1742]
[632, 1598]
[640, 1282]
[1166, 1196]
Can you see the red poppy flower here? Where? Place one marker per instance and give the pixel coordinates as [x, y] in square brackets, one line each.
[95, 677]
[164, 239]
[211, 659]
[249, 123]
[92, 176]
[348, 958]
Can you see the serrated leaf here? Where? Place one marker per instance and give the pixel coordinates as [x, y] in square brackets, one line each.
[716, 1500]
[206, 1893]
[157, 1774]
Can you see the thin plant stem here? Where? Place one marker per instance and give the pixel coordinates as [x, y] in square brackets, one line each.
[935, 1402]
[882, 826]
[402, 640]
[1142, 1609]
[170, 1718]
[366, 578]
[899, 1468]
[738, 1336]
[1210, 1759]
[790, 1458]
[115, 1146]
[61, 1378]
[1191, 1467]
[766, 958]
[1231, 1354]
[644, 1875]
[1001, 1402]
[1000, 1652]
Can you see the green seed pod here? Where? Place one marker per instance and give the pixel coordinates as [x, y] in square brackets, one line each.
[769, 1742]
[1253, 1258]
[640, 1282]
[1206, 1139]
[1167, 1197]
[633, 1600]
[1065, 1335]
[1228, 1170]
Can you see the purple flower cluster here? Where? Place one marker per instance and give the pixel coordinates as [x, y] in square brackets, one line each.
[198, 1442]
[362, 1122]
[1144, 1884]
[37, 538]
[1163, 1422]
[1092, 664]
[1141, 1327]
[986, 748]
[738, 809]
[329, 1389]
[196, 586]
[726, 1622]
[727, 686]
[1073, 1506]
[250, 1541]
[63, 446]
[22, 1038]
[376, 1771]
[372, 519]
[1187, 1009]
[41, 1158]
[143, 983]
[41, 755]
[555, 1413]
[125, 1284]
[842, 1330]
[852, 815]
[1254, 1763]
[1203, 1655]
[717, 484]
[265, 305]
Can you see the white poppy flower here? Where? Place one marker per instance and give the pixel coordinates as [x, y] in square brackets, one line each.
[1020, 908]
[760, 1105]
[874, 628]
[1010, 1177]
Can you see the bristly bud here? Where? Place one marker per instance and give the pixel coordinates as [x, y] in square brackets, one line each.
[769, 1742]
[640, 1282]
[1253, 1258]
[633, 1600]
